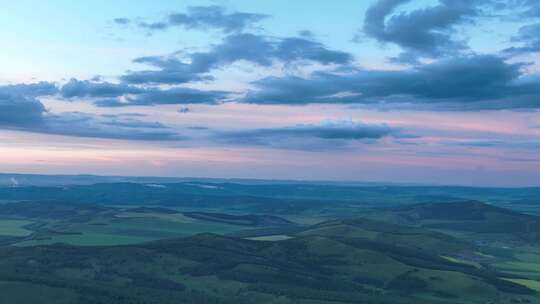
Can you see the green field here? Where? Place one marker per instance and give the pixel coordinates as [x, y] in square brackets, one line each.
[524, 262]
[455, 260]
[129, 230]
[271, 238]
[14, 227]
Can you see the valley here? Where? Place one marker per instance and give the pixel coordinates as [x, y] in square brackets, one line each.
[232, 243]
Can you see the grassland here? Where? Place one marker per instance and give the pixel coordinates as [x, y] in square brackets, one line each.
[126, 230]
[14, 227]
[462, 261]
[271, 238]
[42, 223]
[524, 262]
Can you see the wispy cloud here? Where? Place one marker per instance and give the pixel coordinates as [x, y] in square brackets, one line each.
[326, 136]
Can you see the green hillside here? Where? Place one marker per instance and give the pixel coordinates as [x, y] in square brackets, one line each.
[469, 218]
[353, 261]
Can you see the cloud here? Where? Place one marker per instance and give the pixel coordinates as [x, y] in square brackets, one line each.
[26, 113]
[257, 49]
[106, 94]
[171, 70]
[510, 143]
[425, 32]
[201, 18]
[20, 111]
[512, 10]
[19, 106]
[86, 88]
[529, 37]
[469, 82]
[329, 135]
[122, 21]
[96, 126]
[529, 8]
[177, 95]
[126, 122]
[42, 88]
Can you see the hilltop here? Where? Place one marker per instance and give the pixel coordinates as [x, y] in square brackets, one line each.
[465, 217]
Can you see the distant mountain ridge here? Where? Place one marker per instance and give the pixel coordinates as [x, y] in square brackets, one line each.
[21, 179]
[460, 210]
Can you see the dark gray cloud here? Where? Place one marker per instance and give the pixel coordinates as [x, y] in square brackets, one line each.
[177, 96]
[42, 88]
[310, 137]
[170, 71]
[86, 88]
[257, 49]
[19, 106]
[202, 18]
[26, 113]
[96, 126]
[471, 82]
[17, 110]
[166, 96]
[426, 32]
[106, 94]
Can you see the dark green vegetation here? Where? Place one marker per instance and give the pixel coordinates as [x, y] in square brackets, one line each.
[328, 263]
[214, 241]
[482, 221]
[48, 222]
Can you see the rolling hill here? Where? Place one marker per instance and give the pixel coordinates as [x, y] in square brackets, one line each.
[350, 261]
[464, 217]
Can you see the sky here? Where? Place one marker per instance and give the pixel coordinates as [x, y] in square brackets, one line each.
[405, 91]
